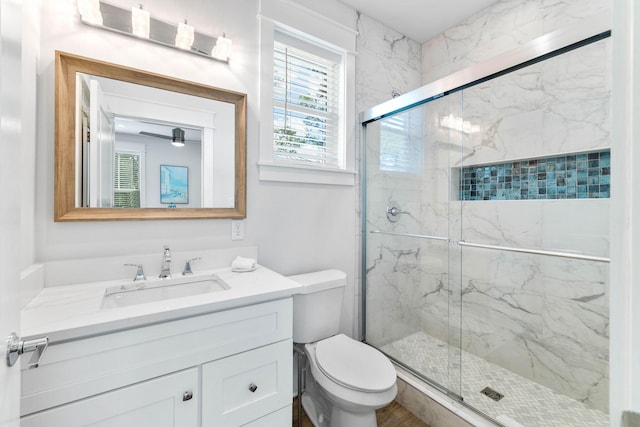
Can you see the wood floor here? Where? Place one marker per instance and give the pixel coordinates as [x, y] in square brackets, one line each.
[392, 415]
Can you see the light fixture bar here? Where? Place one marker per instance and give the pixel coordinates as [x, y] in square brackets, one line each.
[183, 36]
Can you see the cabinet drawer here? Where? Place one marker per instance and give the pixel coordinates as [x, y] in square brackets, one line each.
[160, 402]
[244, 387]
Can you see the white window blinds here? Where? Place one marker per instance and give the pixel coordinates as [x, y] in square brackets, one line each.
[126, 181]
[306, 104]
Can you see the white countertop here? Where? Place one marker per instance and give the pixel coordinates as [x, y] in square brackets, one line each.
[71, 312]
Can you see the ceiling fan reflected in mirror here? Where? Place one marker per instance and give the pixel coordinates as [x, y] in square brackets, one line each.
[174, 132]
[177, 136]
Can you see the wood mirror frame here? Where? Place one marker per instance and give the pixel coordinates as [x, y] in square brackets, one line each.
[65, 209]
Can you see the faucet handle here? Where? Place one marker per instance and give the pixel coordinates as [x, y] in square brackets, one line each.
[139, 272]
[187, 266]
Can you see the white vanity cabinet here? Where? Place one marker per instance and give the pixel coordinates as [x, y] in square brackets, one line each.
[227, 368]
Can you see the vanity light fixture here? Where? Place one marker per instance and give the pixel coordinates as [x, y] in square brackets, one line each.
[184, 36]
[140, 22]
[222, 49]
[137, 22]
[90, 11]
[177, 139]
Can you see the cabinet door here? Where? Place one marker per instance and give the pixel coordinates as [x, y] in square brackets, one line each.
[247, 386]
[161, 402]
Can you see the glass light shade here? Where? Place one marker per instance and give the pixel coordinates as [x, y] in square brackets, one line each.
[140, 22]
[184, 36]
[90, 11]
[222, 49]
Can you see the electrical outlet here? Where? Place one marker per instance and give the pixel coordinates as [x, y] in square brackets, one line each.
[237, 229]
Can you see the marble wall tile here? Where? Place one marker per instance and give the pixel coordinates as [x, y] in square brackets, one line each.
[558, 106]
[587, 232]
[499, 28]
[540, 317]
[387, 61]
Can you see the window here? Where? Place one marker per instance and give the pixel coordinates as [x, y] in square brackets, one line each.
[126, 185]
[306, 104]
[307, 92]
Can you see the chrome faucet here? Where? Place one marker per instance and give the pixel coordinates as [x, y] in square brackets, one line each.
[165, 267]
[187, 266]
[139, 272]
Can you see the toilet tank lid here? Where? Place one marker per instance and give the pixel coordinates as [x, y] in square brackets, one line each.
[319, 280]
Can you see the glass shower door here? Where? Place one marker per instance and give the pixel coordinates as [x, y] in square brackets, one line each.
[534, 200]
[412, 301]
[486, 238]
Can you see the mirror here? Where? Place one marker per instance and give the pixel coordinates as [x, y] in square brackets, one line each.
[137, 145]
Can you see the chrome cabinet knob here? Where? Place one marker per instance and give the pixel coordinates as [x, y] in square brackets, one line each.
[253, 388]
[188, 395]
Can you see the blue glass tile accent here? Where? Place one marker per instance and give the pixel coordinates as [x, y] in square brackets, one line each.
[576, 176]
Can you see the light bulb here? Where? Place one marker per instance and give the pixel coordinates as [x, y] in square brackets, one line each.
[140, 22]
[184, 36]
[222, 49]
[90, 11]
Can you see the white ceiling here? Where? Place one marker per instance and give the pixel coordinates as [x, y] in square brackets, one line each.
[419, 20]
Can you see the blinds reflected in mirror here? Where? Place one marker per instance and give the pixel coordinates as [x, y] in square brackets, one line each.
[126, 185]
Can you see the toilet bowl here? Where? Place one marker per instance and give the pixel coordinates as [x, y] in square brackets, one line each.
[345, 380]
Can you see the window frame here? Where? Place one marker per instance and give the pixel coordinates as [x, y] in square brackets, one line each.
[278, 17]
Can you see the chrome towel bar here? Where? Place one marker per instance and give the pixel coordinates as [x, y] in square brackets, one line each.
[560, 254]
[535, 251]
[417, 236]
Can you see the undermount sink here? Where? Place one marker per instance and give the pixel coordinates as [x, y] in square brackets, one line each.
[144, 292]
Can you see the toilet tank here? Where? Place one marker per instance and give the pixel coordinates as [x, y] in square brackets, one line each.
[317, 306]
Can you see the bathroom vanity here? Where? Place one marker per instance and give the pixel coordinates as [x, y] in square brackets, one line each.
[220, 357]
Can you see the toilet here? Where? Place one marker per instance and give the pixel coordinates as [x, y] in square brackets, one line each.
[345, 380]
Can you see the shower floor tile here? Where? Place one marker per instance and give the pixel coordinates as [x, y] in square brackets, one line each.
[524, 401]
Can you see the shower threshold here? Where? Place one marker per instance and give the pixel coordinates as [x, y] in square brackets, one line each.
[524, 401]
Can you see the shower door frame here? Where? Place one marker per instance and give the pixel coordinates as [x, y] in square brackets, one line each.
[537, 50]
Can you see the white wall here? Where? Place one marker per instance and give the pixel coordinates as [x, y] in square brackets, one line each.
[30, 53]
[297, 228]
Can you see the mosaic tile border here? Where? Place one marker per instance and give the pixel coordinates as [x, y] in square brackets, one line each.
[575, 176]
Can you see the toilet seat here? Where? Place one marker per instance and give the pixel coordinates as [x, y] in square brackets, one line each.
[354, 365]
